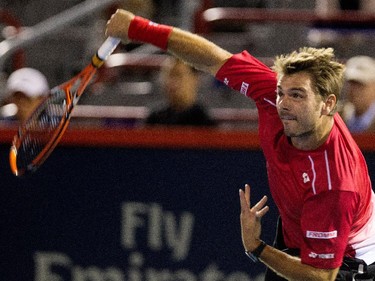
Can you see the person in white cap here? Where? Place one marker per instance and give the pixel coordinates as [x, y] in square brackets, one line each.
[359, 106]
[25, 88]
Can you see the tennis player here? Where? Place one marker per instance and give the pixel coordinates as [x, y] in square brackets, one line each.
[317, 174]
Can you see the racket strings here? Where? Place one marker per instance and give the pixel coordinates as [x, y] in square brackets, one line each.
[40, 129]
[39, 135]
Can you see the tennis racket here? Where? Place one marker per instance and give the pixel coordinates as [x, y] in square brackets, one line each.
[40, 133]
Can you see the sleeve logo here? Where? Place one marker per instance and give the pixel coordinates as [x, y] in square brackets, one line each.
[244, 88]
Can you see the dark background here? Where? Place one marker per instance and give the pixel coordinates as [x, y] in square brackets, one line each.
[72, 205]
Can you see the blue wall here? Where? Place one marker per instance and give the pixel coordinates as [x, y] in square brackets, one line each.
[131, 214]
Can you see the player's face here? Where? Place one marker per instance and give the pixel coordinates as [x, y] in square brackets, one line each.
[299, 106]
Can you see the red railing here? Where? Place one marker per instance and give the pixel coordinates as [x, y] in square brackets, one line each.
[168, 137]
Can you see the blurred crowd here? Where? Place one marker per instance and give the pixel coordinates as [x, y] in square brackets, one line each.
[27, 85]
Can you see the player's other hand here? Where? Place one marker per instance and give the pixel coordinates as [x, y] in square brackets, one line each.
[118, 25]
[251, 219]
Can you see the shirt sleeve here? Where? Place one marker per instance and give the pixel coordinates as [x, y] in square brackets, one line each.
[249, 76]
[244, 73]
[326, 222]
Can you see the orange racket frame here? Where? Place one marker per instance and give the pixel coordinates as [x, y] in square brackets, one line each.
[73, 90]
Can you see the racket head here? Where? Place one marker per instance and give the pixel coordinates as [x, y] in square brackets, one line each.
[39, 134]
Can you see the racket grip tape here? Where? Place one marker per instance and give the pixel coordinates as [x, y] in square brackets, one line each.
[105, 50]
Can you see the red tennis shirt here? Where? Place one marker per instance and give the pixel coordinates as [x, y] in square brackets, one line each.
[324, 196]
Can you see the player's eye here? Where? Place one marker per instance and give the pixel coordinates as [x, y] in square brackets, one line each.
[279, 93]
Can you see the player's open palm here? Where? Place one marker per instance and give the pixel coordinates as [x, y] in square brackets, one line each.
[251, 219]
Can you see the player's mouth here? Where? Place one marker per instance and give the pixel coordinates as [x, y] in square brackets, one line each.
[287, 117]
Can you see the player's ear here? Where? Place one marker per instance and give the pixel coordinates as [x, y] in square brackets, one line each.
[329, 105]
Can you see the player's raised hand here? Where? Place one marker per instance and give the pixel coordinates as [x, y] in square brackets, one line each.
[250, 219]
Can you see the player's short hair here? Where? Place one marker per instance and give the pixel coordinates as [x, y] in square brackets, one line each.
[326, 72]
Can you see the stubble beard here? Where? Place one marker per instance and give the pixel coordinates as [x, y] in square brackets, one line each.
[302, 134]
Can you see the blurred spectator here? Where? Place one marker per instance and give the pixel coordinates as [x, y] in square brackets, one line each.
[180, 87]
[359, 108]
[25, 88]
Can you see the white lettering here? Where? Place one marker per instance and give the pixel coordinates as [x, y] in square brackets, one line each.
[321, 256]
[321, 235]
[94, 273]
[45, 262]
[149, 220]
[136, 262]
[155, 225]
[326, 256]
[244, 88]
[212, 273]
[132, 219]
[59, 267]
[185, 275]
[180, 240]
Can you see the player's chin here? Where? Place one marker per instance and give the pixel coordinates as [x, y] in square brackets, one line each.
[297, 133]
[291, 132]
[288, 130]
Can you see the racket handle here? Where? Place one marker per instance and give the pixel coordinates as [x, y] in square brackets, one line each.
[108, 47]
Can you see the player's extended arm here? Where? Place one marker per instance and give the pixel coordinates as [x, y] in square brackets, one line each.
[191, 48]
[291, 267]
[285, 265]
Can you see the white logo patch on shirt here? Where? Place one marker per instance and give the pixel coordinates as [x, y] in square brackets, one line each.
[244, 88]
[305, 177]
[321, 256]
[226, 81]
[321, 235]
